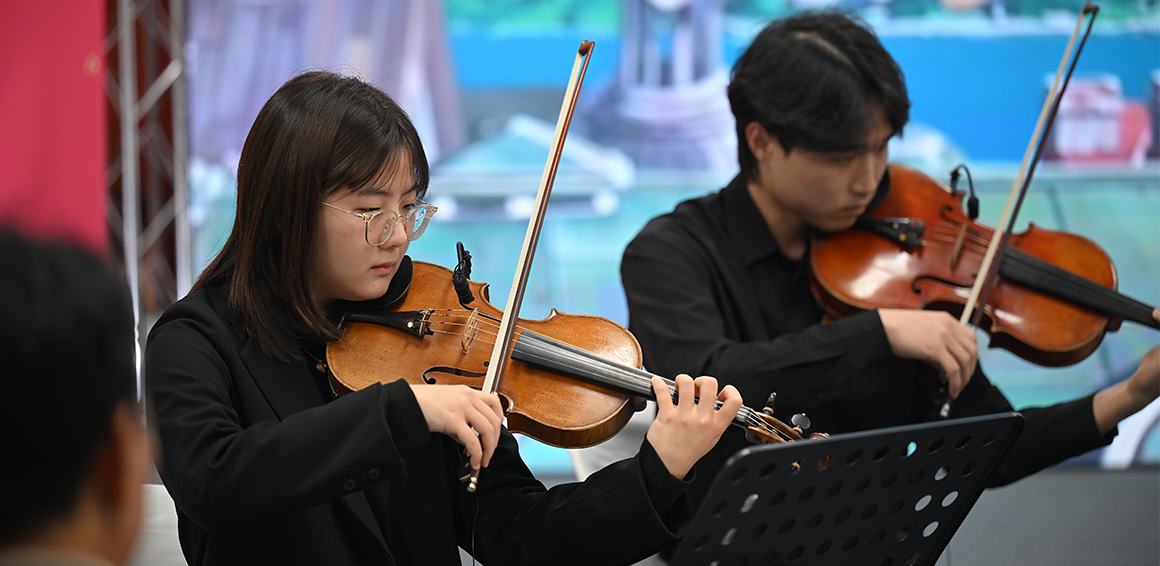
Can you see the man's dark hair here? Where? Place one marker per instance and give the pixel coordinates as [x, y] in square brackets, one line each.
[814, 81]
[321, 133]
[66, 363]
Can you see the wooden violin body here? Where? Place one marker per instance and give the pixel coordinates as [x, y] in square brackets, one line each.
[540, 404]
[1053, 302]
[572, 380]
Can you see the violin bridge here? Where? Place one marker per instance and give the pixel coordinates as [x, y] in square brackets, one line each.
[958, 247]
[469, 330]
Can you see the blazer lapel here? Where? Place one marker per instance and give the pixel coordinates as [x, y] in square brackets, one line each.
[289, 389]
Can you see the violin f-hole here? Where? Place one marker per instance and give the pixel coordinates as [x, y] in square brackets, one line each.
[430, 379]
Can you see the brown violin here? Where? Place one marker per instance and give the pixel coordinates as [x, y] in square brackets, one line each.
[1053, 300]
[570, 380]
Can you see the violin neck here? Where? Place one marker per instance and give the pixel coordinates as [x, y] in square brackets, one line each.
[1035, 273]
[566, 359]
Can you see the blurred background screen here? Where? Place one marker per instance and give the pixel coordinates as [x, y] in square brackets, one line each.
[483, 81]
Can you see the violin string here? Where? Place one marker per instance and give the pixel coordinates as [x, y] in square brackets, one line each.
[945, 235]
[1071, 282]
[753, 418]
[748, 414]
[488, 322]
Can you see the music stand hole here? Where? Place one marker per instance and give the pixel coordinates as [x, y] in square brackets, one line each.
[987, 440]
[912, 560]
[834, 489]
[748, 504]
[738, 475]
[796, 553]
[934, 446]
[742, 561]
[881, 453]
[930, 529]
[728, 538]
[777, 498]
[853, 457]
[842, 516]
[877, 538]
[950, 498]
[823, 548]
[806, 493]
[700, 542]
[870, 511]
[814, 521]
[889, 480]
[969, 468]
[786, 526]
[897, 506]
[862, 484]
[963, 442]
[910, 448]
[922, 503]
[769, 557]
[916, 476]
[887, 562]
[757, 531]
[825, 462]
[940, 473]
[901, 536]
[768, 470]
[850, 543]
[719, 508]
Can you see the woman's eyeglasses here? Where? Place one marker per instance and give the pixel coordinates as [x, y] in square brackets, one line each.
[381, 223]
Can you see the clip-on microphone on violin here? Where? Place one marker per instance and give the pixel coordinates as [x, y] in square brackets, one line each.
[462, 274]
[972, 201]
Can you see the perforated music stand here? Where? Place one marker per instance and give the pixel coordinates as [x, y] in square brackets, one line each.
[889, 497]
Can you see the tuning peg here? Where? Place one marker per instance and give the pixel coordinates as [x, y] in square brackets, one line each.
[769, 404]
[801, 421]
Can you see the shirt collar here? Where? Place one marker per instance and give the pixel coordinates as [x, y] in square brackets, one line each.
[748, 233]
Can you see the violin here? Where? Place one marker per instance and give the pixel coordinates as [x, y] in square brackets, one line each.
[570, 380]
[1053, 301]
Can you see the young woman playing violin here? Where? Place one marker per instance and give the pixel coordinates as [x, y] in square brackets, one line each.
[721, 284]
[267, 466]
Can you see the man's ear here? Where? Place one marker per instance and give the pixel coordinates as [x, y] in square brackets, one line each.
[119, 472]
[759, 140]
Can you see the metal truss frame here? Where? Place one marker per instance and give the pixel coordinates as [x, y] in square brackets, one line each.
[148, 176]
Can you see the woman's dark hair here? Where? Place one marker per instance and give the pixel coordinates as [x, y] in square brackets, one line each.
[320, 133]
[814, 81]
[67, 341]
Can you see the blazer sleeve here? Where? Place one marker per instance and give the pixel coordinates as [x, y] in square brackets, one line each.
[228, 459]
[621, 514]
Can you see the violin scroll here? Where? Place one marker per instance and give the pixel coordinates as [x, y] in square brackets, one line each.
[766, 429]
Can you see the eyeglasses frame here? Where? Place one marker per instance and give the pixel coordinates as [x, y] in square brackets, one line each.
[369, 216]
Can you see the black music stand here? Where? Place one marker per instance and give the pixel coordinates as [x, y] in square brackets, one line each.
[889, 497]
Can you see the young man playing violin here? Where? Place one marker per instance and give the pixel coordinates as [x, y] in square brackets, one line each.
[720, 285]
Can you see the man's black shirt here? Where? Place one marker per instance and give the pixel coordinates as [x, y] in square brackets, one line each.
[710, 293]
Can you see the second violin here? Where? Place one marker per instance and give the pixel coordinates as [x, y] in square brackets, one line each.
[1056, 295]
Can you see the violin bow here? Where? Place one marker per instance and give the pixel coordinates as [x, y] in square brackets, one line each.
[981, 290]
[501, 352]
